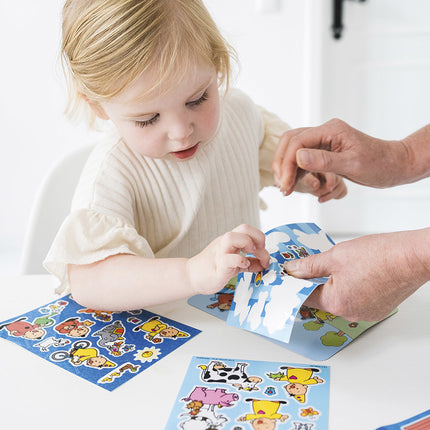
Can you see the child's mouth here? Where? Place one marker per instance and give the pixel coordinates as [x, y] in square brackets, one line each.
[186, 153]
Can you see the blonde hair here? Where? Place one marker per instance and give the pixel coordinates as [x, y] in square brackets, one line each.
[109, 43]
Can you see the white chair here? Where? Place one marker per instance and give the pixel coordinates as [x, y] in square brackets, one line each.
[51, 206]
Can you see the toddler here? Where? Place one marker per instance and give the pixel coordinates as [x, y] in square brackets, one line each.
[166, 207]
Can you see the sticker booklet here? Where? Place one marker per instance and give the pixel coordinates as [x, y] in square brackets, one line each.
[270, 303]
[226, 394]
[106, 348]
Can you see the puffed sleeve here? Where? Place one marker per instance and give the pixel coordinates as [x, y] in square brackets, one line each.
[86, 237]
[274, 127]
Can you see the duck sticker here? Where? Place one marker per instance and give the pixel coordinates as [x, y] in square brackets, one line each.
[157, 330]
[298, 380]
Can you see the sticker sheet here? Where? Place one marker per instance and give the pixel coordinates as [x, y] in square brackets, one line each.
[219, 393]
[106, 348]
[418, 422]
[267, 302]
[270, 303]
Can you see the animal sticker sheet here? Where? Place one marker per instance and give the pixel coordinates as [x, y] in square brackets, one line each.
[219, 393]
[106, 348]
[270, 303]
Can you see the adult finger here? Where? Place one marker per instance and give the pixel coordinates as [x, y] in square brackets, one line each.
[284, 163]
[321, 160]
[305, 138]
[314, 300]
[314, 266]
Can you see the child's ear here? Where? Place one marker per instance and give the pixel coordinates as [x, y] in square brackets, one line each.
[95, 107]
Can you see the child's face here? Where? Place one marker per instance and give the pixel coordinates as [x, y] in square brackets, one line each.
[174, 121]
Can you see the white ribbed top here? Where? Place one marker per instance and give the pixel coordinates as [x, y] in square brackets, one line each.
[127, 203]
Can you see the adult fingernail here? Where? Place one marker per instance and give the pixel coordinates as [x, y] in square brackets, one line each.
[304, 157]
[291, 266]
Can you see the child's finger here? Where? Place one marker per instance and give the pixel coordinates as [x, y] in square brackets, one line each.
[257, 236]
[263, 257]
[235, 261]
[233, 242]
[309, 183]
[336, 194]
[259, 242]
[334, 190]
[229, 265]
[256, 265]
[331, 180]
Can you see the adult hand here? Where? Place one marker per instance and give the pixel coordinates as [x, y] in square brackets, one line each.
[224, 258]
[338, 148]
[369, 276]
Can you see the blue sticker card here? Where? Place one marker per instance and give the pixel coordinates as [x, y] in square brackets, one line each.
[267, 302]
[219, 393]
[106, 348]
[270, 303]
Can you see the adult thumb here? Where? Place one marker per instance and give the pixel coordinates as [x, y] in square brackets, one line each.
[319, 160]
[310, 267]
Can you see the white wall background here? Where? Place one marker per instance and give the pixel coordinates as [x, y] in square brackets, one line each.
[377, 78]
[282, 67]
[35, 132]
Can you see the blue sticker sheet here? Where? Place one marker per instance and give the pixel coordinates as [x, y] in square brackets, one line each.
[105, 348]
[417, 422]
[267, 302]
[219, 393]
[270, 303]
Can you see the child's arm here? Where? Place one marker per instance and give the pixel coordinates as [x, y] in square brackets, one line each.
[126, 282]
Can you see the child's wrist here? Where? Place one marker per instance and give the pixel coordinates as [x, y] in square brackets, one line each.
[192, 280]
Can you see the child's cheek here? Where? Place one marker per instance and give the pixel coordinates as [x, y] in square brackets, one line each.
[211, 119]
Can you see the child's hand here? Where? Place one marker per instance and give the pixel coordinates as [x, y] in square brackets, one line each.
[325, 186]
[224, 258]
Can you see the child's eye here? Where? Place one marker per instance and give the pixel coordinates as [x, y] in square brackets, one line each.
[199, 101]
[148, 121]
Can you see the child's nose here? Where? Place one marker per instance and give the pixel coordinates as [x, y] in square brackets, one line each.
[180, 128]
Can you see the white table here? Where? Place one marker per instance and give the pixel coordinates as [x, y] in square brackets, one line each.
[381, 378]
